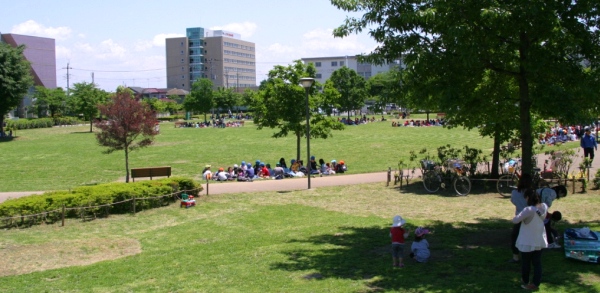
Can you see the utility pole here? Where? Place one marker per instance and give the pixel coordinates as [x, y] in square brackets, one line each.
[67, 68]
[92, 78]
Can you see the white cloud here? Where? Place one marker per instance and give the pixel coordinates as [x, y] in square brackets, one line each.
[159, 40]
[109, 49]
[33, 28]
[245, 29]
[63, 52]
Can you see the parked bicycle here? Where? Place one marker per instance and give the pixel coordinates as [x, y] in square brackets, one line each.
[453, 173]
[508, 182]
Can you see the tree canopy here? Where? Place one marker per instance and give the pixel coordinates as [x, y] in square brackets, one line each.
[547, 52]
[85, 98]
[281, 103]
[129, 125]
[201, 98]
[49, 100]
[352, 88]
[15, 79]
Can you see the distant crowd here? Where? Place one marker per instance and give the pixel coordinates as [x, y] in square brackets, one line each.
[261, 170]
[419, 123]
[561, 134]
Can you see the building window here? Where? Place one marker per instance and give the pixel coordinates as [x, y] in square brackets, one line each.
[341, 63]
[181, 60]
[333, 63]
[319, 75]
[317, 64]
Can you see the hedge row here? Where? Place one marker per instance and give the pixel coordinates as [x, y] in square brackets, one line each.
[88, 200]
[41, 122]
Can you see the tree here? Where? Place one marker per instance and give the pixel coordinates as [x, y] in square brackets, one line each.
[49, 100]
[385, 88]
[330, 98]
[226, 99]
[85, 98]
[129, 125]
[352, 88]
[545, 48]
[281, 103]
[15, 79]
[200, 99]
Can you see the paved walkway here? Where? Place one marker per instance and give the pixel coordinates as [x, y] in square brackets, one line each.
[302, 183]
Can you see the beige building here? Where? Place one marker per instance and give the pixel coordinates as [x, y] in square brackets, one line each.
[221, 56]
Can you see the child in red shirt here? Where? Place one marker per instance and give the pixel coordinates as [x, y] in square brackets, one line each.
[398, 234]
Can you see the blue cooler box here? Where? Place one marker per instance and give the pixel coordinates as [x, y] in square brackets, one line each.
[582, 244]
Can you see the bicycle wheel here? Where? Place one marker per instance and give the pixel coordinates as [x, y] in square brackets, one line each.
[506, 184]
[462, 185]
[431, 181]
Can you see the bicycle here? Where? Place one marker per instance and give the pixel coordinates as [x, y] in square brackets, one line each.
[434, 177]
[508, 182]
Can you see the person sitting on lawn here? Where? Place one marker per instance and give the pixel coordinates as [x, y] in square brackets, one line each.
[420, 247]
[551, 233]
[206, 173]
[263, 172]
[250, 172]
[341, 167]
[221, 175]
[314, 169]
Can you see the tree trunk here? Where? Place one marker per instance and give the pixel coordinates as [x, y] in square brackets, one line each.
[91, 119]
[298, 146]
[525, 106]
[2, 123]
[127, 164]
[496, 156]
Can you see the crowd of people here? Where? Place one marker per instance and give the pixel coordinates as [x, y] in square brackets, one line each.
[419, 123]
[220, 123]
[562, 134]
[356, 121]
[262, 170]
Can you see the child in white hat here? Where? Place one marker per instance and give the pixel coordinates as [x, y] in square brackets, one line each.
[398, 234]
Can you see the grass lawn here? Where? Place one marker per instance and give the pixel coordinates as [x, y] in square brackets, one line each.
[331, 239]
[65, 157]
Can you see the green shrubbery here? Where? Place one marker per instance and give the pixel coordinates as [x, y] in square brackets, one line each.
[41, 122]
[100, 199]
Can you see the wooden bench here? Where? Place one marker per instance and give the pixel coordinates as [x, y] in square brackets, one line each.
[150, 172]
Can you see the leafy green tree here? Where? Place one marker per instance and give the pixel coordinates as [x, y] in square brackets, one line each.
[544, 47]
[85, 98]
[201, 98]
[385, 88]
[330, 98]
[15, 79]
[281, 103]
[49, 100]
[352, 88]
[226, 99]
[129, 125]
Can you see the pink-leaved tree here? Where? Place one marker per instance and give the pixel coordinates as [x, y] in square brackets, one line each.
[128, 125]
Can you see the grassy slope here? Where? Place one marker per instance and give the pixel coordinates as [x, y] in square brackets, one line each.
[61, 158]
[323, 240]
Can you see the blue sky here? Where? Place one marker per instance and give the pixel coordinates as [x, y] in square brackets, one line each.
[122, 42]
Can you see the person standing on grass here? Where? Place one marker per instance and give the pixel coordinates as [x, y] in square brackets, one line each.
[588, 143]
[517, 198]
[398, 234]
[532, 239]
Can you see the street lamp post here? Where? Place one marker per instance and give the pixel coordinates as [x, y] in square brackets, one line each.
[307, 82]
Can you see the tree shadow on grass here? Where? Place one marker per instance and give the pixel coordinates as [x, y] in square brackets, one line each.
[465, 258]
[81, 132]
[478, 187]
[7, 139]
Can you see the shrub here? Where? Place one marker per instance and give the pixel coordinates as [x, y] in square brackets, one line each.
[109, 197]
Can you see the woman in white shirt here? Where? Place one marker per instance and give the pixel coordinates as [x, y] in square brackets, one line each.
[531, 239]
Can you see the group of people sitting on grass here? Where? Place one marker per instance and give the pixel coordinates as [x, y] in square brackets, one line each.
[419, 123]
[220, 123]
[261, 170]
[356, 121]
[561, 134]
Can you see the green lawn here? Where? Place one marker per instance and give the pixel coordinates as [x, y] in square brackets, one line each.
[321, 240]
[62, 158]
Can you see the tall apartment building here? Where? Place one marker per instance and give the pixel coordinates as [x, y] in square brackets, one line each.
[327, 65]
[218, 55]
[41, 53]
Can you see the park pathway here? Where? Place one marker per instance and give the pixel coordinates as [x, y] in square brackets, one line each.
[316, 182]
